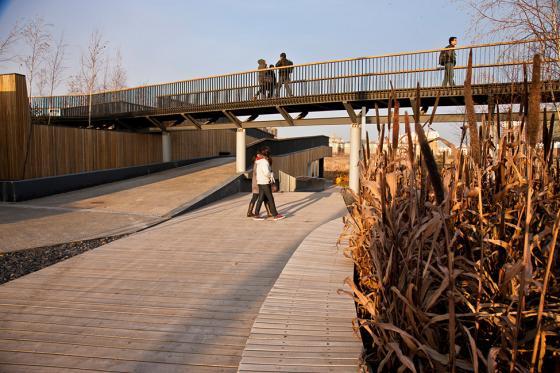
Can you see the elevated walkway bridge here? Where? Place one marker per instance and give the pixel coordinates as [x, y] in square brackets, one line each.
[237, 100]
[218, 102]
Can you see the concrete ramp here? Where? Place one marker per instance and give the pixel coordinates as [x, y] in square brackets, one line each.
[110, 209]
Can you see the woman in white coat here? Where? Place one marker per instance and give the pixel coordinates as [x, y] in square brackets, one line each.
[265, 179]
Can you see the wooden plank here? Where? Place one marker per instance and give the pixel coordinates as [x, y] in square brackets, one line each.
[122, 343]
[67, 361]
[120, 353]
[294, 319]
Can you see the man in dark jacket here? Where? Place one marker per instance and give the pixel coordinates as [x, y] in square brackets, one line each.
[284, 75]
[448, 60]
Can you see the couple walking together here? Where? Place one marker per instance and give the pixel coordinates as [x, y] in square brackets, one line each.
[268, 84]
[262, 184]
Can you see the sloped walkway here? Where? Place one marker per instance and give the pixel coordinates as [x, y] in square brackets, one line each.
[179, 297]
[304, 325]
[108, 209]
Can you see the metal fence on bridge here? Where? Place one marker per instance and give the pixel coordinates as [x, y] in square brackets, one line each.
[492, 63]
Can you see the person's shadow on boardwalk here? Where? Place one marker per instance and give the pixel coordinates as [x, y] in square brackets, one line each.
[292, 207]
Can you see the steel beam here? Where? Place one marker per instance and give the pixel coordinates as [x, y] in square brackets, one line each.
[332, 121]
[285, 115]
[189, 119]
[351, 112]
[233, 119]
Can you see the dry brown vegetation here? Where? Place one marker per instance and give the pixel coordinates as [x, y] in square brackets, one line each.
[336, 169]
[457, 267]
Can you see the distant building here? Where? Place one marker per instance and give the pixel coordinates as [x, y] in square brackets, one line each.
[337, 144]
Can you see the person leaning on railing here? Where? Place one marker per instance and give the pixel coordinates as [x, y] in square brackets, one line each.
[284, 75]
[448, 59]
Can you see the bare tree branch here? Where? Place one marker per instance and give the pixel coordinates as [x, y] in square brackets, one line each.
[7, 42]
[37, 38]
[118, 73]
[91, 65]
[56, 68]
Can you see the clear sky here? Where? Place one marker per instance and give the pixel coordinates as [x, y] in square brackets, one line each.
[169, 40]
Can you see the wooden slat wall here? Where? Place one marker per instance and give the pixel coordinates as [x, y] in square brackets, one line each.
[295, 164]
[14, 125]
[195, 143]
[63, 150]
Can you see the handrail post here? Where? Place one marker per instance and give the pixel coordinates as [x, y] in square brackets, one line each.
[240, 151]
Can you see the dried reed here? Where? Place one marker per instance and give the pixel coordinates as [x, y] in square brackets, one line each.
[456, 268]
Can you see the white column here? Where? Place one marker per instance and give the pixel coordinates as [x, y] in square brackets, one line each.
[240, 151]
[166, 146]
[355, 145]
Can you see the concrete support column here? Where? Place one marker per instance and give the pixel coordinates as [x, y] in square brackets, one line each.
[166, 146]
[355, 145]
[240, 151]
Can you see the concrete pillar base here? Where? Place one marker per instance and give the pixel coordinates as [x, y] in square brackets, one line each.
[240, 151]
[166, 146]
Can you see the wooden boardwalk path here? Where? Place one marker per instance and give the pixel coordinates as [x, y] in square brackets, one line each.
[179, 297]
[304, 325]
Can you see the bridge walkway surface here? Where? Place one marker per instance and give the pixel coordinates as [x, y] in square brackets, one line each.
[109, 209]
[180, 296]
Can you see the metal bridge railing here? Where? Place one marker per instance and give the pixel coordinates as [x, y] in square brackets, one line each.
[492, 63]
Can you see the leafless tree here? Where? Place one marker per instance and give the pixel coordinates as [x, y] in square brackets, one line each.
[76, 84]
[7, 42]
[91, 64]
[510, 20]
[118, 73]
[515, 19]
[42, 81]
[56, 67]
[37, 38]
[519, 20]
[114, 74]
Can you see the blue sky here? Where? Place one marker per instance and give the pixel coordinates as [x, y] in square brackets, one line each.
[173, 40]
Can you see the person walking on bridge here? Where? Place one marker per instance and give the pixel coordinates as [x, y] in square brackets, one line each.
[265, 180]
[263, 79]
[448, 59]
[284, 75]
[271, 81]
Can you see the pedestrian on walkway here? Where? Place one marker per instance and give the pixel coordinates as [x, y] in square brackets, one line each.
[271, 81]
[448, 60]
[265, 180]
[284, 75]
[255, 190]
[262, 78]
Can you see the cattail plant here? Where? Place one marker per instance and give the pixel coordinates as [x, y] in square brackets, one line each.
[456, 267]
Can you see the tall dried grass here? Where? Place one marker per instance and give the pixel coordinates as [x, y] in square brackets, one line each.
[457, 268]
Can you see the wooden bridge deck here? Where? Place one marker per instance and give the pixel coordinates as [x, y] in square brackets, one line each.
[182, 296]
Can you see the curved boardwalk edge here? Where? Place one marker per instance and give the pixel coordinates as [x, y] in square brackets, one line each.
[304, 325]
